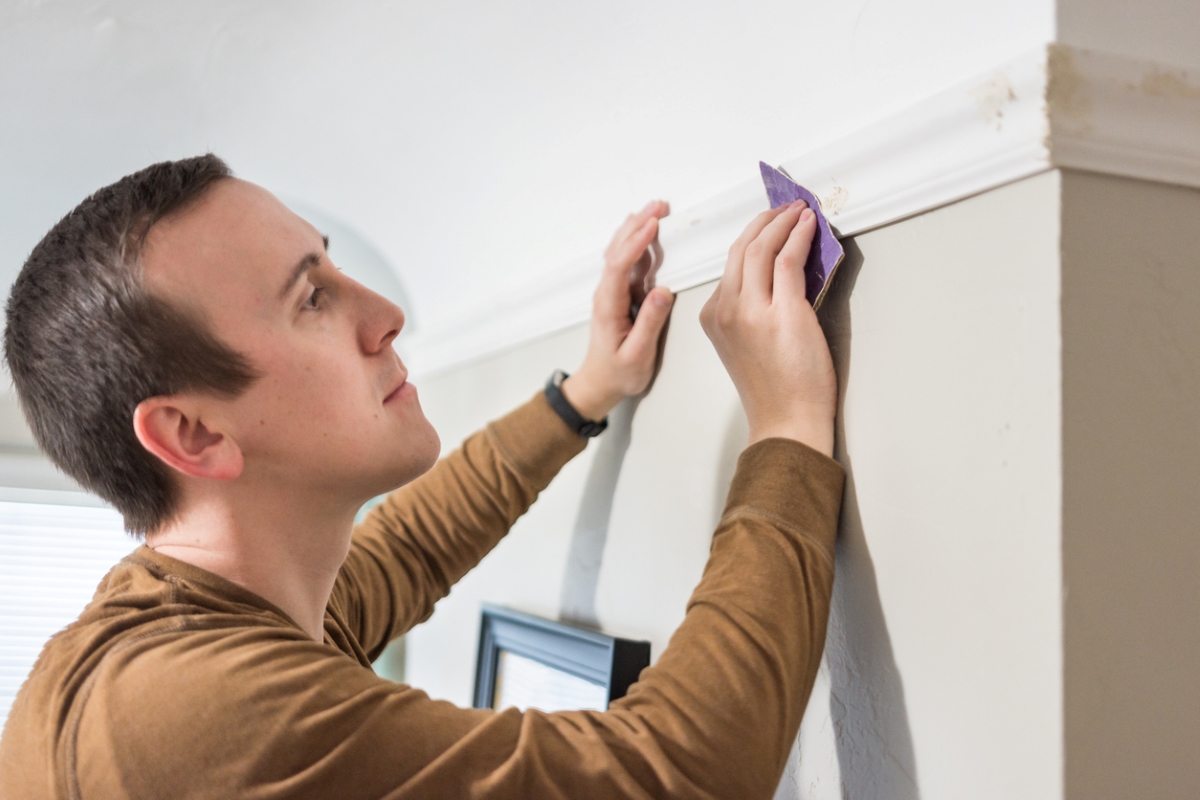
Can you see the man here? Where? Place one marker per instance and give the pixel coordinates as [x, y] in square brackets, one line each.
[184, 347]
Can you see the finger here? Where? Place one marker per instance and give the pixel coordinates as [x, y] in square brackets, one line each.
[642, 342]
[622, 231]
[655, 208]
[789, 265]
[612, 295]
[758, 270]
[732, 279]
[631, 224]
[637, 279]
[630, 251]
[709, 310]
[630, 240]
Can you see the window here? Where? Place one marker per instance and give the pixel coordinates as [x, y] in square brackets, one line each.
[53, 553]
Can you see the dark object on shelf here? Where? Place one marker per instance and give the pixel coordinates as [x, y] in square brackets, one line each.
[551, 665]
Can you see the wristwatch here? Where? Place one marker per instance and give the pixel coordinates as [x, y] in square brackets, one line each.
[575, 421]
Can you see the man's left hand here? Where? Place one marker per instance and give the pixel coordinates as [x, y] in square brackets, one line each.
[622, 353]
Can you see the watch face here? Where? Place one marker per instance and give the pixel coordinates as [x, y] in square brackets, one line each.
[592, 428]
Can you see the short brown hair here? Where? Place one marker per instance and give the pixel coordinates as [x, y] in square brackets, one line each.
[85, 342]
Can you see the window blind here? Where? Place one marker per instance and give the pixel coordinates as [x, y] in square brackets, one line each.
[52, 556]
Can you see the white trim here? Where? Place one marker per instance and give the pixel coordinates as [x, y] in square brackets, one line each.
[1054, 106]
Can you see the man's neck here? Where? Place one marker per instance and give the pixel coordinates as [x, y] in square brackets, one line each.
[286, 552]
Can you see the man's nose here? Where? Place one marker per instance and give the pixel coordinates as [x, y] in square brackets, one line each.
[382, 321]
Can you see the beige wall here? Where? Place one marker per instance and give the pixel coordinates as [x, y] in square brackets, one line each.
[942, 675]
[1131, 447]
[1157, 30]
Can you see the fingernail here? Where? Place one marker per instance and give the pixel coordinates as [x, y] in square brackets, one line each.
[806, 215]
[798, 204]
[648, 206]
[661, 299]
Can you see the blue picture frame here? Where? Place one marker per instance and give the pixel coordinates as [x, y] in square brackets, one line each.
[608, 661]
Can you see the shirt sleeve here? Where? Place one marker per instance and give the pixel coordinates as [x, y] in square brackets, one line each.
[425, 536]
[287, 717]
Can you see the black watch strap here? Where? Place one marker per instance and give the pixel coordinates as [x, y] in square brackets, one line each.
[575, 421]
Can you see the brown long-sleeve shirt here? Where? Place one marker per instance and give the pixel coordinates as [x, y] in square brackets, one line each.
[175, 683]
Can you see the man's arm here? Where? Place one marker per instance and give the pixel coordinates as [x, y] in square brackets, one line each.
[425, 536]
[717, 714]
[283, 718]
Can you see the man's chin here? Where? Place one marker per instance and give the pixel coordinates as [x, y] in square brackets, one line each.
[432, 453]
[419, 453]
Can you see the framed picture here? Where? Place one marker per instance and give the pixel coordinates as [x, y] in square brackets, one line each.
[530, 662]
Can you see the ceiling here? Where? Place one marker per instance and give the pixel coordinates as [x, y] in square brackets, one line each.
[457, 147]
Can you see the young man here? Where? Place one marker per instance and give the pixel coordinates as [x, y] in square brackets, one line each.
[183, 346]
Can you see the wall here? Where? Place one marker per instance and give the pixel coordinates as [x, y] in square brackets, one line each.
[1131, 556]
[1165, 31]
[942, 676]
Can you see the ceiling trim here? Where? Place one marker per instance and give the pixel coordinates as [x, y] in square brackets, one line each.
[1054, 106]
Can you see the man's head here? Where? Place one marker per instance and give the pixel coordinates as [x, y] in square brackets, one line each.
[182, 331]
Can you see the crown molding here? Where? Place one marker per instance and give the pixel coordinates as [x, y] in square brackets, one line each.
[1051, 107]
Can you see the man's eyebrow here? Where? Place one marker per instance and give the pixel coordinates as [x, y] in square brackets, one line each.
[304, 265]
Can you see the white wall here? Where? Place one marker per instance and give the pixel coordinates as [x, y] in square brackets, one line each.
[471, 142]
[943, 669]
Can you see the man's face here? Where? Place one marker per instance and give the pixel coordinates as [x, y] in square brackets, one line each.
[332, 415]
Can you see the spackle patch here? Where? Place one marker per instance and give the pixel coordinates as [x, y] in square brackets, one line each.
[1170, 84]
[835, 200]
[992, 96]
[1066, 90]
[826, 252]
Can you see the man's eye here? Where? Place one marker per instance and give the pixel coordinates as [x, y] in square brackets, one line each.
[314, 299]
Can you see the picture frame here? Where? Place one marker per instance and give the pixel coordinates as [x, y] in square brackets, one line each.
[532, 662]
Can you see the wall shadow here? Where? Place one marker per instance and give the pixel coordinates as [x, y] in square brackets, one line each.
[737, 434]
[577, 601]
[581, 576]
[870, 717]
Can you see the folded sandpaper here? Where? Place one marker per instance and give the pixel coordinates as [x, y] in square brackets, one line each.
[826, 252]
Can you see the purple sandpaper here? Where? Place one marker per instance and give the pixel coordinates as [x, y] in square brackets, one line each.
[826, 252]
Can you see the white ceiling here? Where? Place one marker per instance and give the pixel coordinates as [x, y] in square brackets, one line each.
[466, 144]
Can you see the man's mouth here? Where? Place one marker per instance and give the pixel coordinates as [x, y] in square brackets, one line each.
[395, 393]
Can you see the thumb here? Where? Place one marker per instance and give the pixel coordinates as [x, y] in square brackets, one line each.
[642, 341]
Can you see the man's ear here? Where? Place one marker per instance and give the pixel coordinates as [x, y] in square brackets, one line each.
[172, 429]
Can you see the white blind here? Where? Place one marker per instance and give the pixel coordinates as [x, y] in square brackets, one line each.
[51, 559]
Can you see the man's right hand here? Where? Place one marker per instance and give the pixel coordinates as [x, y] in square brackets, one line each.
[767, 334]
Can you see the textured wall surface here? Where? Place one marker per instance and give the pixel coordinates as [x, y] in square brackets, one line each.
[1131, 457]
[942, 676]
